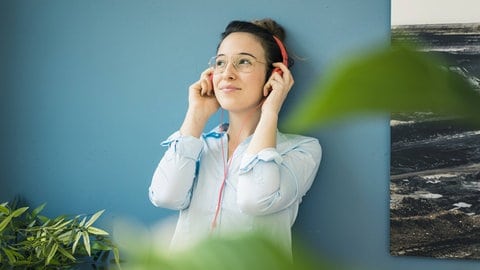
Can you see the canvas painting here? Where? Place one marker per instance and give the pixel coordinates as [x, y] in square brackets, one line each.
[435, 160]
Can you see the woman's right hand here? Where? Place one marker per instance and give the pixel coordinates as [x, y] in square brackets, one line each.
[202, 104]
[201, 97]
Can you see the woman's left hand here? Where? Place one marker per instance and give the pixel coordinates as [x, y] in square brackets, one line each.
[277, 88]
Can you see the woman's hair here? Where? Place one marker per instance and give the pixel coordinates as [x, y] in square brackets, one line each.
[263, 30]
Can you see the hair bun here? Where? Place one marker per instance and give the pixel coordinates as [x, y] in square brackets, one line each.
[271, 26]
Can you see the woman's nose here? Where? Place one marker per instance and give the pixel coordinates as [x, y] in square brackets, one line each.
[230, 70]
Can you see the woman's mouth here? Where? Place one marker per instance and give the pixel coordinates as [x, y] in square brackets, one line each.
[229, 88]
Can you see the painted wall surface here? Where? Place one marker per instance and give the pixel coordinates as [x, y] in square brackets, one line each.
[89, 89]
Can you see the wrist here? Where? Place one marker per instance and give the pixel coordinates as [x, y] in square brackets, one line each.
[270, 115]
[268, 121]
[197, 115]
[193, 124]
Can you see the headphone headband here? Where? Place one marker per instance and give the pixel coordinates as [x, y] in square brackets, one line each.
[282, 50]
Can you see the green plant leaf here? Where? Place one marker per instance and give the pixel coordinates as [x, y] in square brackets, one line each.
[47, 222]
[96, 231]
[66, 253]
[19, 263]
[5, 222]
[75, 242]
[18, 256]
[116, 256]
[94, 218]
[31, 224]
[43, 219]
[397, 79]
[52, 253]
[4, 209]
[19, 211]
[86, 242]
[37, 210]
[57, 221]
[97, 245]
[65, 237]
[82, 222]
[10, 255]
[60, 225]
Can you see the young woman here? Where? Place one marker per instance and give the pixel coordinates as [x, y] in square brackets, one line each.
[245, 175]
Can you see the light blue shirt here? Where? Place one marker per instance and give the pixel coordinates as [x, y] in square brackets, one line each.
[262, 191]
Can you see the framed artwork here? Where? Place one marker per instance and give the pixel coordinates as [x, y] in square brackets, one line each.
[435, 161]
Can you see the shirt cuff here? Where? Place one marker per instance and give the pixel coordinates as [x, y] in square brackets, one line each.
[187, 146]
[266, 155]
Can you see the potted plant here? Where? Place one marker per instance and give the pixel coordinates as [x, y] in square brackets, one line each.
[33, 241]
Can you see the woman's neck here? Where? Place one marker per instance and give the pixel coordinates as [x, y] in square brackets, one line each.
[241, 125]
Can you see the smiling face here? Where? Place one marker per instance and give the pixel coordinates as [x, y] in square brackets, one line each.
[235, 90]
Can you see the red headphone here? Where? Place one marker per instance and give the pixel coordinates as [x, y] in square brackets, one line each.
[284, 54]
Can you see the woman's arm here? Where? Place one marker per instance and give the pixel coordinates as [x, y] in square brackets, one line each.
[173, 179]
[271, 181]
[275, 90]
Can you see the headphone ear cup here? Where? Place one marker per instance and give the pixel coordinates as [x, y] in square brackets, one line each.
[278, 70]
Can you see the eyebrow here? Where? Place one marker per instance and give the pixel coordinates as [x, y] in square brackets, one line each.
[242, 53]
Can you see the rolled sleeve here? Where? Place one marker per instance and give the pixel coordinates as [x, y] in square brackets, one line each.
[266, 155]
[259, 181]
[277, 178]
[185, 146]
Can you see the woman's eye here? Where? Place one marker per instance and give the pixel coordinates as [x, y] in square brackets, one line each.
[244, 61]
[220, 63]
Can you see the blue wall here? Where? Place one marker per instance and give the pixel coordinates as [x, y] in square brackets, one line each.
[88, 89]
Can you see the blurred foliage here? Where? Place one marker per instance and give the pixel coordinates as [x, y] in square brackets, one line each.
[397, 79]
[248, 251]
[29, 240]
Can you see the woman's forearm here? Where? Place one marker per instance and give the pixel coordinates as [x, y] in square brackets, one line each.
[193, 124]
[265, 135]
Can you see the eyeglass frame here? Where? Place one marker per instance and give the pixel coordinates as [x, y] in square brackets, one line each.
[212, 62]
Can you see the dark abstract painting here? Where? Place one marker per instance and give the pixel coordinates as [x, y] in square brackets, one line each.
[435, 161]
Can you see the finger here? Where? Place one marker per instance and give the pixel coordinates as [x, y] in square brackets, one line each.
[276, 77]
[285, 70]
[207, 74]
[195, 88]
[207, 87]
[281, 66]
[275, 85]
[286, 79]
[210, 90]
[210, 83]
[267, 88]
[204, 87]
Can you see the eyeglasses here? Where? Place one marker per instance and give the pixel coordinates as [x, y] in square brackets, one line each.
[242, 63]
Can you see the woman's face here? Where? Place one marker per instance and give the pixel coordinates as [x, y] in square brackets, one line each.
[240, 88]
